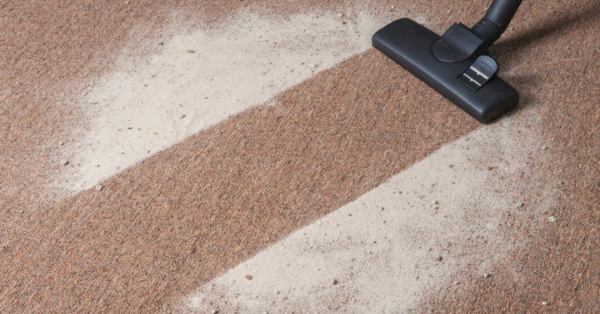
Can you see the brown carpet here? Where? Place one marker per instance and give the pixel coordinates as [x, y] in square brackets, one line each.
[173, 222]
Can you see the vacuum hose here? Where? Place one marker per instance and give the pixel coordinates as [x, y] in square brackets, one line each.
[496, 20]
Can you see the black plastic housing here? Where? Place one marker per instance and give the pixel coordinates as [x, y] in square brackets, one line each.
[409, 44]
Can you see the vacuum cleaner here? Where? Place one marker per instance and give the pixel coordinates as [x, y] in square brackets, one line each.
[456, 64]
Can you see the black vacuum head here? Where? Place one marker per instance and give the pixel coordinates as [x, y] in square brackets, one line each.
[455, 64]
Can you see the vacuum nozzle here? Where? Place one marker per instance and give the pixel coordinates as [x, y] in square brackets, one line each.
[457, 64]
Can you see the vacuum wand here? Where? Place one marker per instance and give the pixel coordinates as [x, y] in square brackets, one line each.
[496, 20]
[456, 64]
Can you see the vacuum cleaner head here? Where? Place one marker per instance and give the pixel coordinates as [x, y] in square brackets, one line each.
[456, 64]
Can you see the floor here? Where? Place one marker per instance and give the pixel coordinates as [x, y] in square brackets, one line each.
[261, 157]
